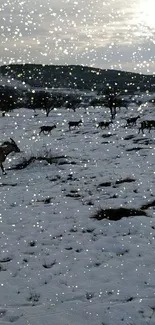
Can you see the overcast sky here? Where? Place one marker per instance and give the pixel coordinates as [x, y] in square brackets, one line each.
[116, 34]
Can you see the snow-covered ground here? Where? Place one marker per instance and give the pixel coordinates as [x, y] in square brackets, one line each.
[58, 265]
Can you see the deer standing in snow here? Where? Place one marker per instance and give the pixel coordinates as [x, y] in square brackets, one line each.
[47, 128]
[148, 124]
[74, 123]
[104, 123]
[132, 120]
[6, 148]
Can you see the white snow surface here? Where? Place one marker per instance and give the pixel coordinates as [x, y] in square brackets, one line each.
[59, 266]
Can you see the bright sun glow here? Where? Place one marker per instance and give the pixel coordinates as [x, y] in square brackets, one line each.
[145, 12]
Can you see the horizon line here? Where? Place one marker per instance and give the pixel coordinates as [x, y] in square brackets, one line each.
[77, 65]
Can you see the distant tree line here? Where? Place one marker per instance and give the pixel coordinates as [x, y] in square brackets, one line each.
[11, 98]
[112, 98]
[47, 101]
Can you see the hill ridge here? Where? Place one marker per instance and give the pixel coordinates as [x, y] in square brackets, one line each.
[77, 77]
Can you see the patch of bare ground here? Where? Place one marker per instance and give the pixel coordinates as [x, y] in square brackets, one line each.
[118, 181]
[125, 180]
[106, 135]
[145, 141]
[116, 214]
[148, 205]
[135, 149]
[8, 184]
[61, 160]
[24, 163]
[129, 137]
[105, 184]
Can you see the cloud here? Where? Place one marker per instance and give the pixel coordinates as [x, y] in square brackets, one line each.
[100, 33]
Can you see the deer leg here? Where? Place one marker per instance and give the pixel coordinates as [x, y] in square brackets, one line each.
[3, 170]
[142, 130]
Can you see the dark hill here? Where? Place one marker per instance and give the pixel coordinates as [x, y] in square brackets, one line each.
[78, 77]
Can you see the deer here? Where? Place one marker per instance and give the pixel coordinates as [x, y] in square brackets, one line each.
[132, 120]
[104, 123]
[148, 124]
[74, 123]
[6, 148]
[47, 129]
